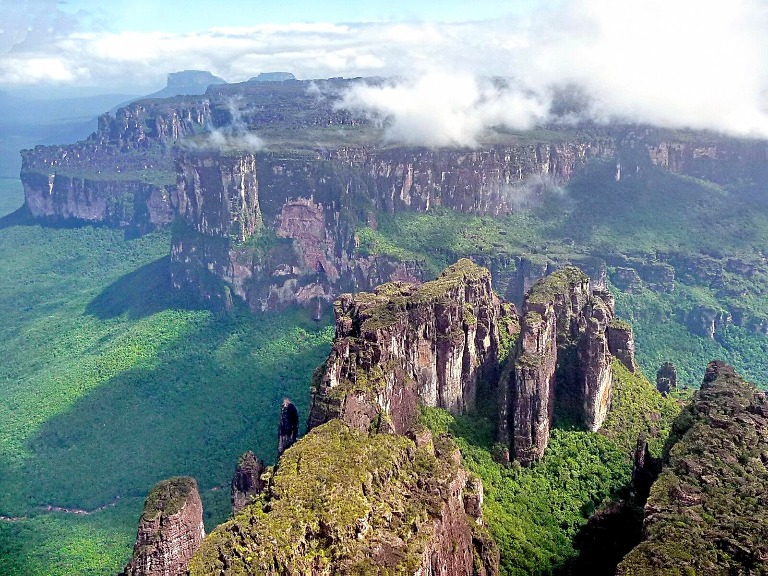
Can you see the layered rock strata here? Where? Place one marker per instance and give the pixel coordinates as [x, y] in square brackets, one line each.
[218, 207]
[344, 502]
[706, 513]
[435, 343]
[123, 175]
[563, 353]
[170, 530]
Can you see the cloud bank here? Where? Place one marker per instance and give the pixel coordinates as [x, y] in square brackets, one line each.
[676, 63]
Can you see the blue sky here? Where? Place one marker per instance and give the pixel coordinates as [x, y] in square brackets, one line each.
[694, 63]
[180, 17]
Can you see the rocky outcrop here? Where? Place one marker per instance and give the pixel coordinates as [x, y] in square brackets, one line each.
[706, 512]
[247, 482]
[666, 378]
[170, 530]
[288, 430]
[562, 357]
[343, 502]
[314, 201]
[621, 343]
[719, 159]
[645, 470]
[435, 343]
[56, 197]
[219, 219]
[218, 195]
[707, 321]
[122, 175]
[531, 268]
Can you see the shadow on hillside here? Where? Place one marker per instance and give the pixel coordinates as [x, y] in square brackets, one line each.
[141, 293]
[199, 404]
[20, 217]
[23, 217]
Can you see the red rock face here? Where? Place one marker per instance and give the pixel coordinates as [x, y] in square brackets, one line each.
[170, 530]
[404, 344]
[565, 330]
[304, 221]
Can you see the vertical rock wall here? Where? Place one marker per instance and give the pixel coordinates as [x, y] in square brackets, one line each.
[435, 343]
[170, 530]
[563, 352]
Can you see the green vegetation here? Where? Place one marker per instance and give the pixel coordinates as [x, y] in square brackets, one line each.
[387, 304]
[332, 491]
[535, 513]
[553, 285]
[711, 237]
[11, 195]
[438, 237]
[661, 333]
[709, 510]
[109, 384]
[168, 496]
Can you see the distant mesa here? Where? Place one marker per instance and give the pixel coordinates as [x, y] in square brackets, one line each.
[187, 83]
[273, 77]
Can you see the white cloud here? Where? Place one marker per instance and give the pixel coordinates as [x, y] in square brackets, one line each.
[671, 62]
[441, 109]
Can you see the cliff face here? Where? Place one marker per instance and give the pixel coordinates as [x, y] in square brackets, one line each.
[219, 196]
[56, 197]
[122, 175]
[170, 530]
[706, 512]
[487, 181]
[435, 343]
[719, 160]
[344, 502]
[563, 357]
[314, 200]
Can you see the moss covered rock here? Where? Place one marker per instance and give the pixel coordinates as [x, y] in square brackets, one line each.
[343, 502]
[706, 513]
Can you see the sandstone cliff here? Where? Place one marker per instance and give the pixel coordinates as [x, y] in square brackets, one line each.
[344, 502]
[706, 512]
[435, 343]
[321, 174]
[170, 530]
[122, 175]
[563, 358]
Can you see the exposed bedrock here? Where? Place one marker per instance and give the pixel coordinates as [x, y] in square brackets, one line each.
[219, 195]
[386, 504]
[706, 512]
[58, 198]
[288, 430]
[666, 378]
[247, 482]
[312, 203]
[563, 358]
[122, 175]
[435, 343]
[170, 530]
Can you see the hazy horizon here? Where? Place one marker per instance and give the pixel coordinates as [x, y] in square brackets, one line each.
[679, 64]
